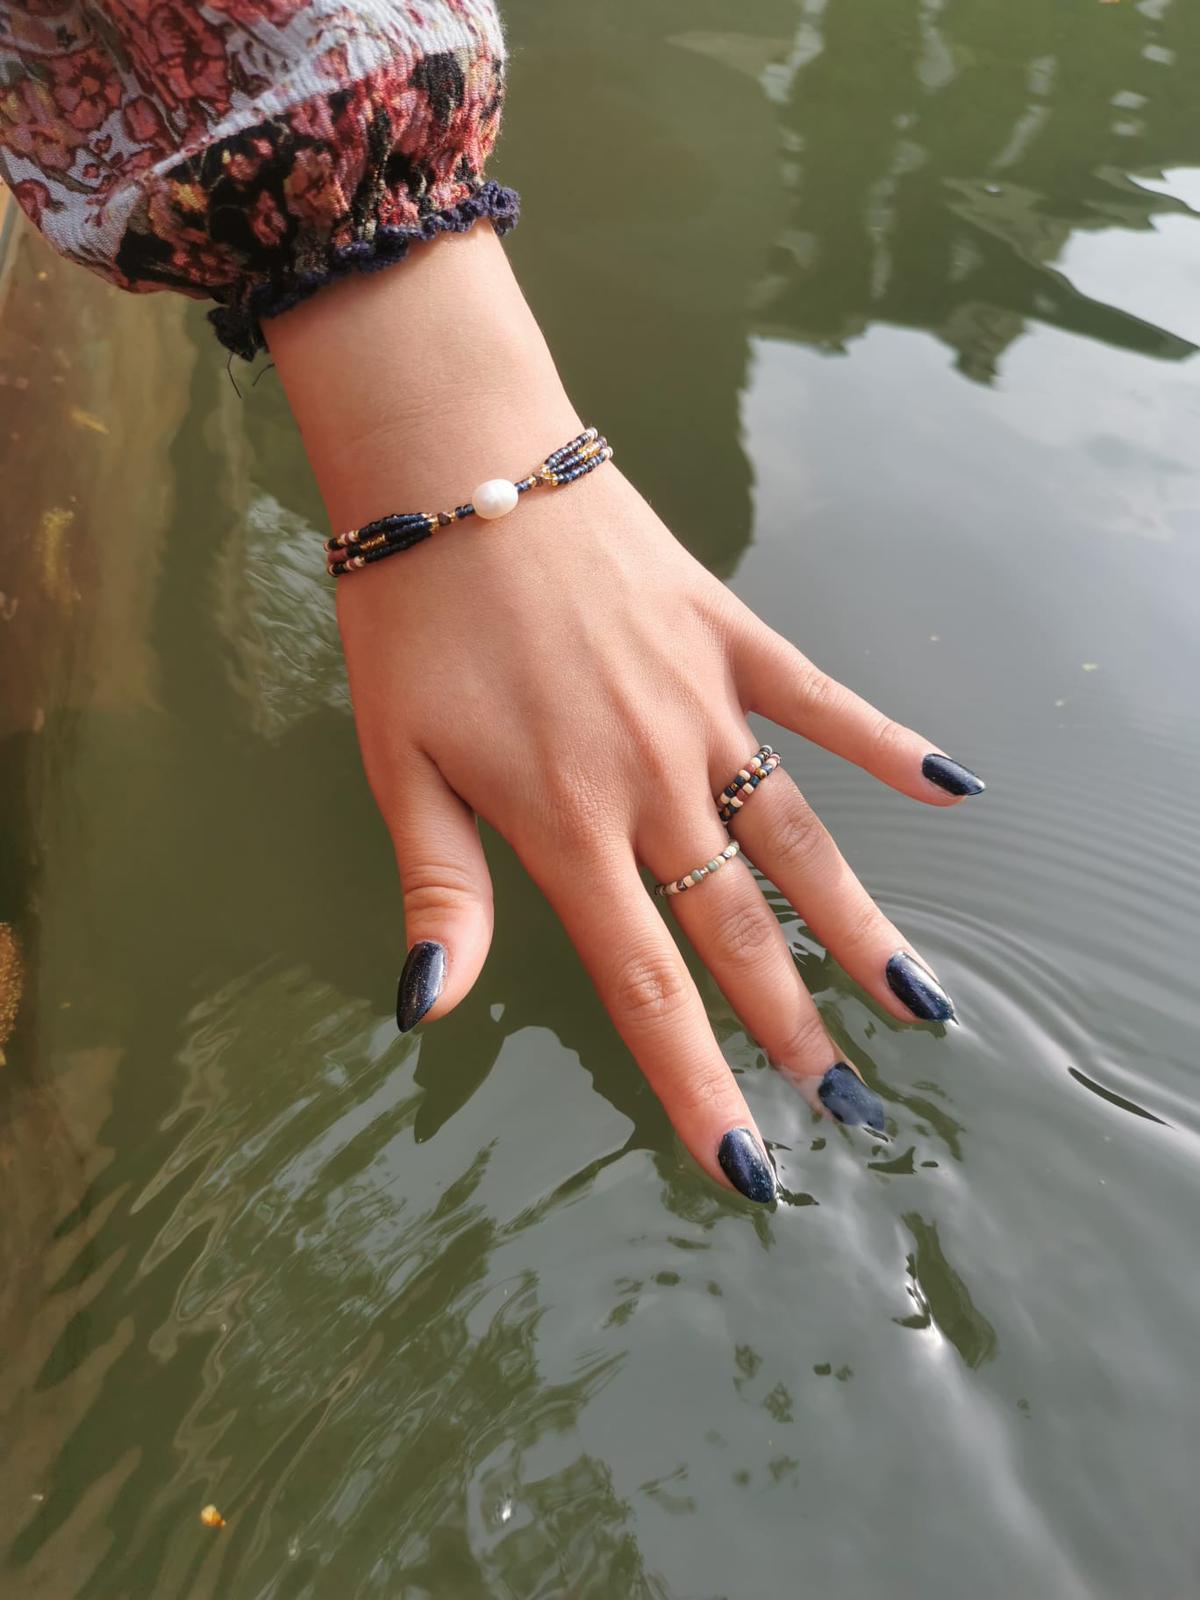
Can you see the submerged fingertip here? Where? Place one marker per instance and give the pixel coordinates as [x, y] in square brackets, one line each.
[849, 1100]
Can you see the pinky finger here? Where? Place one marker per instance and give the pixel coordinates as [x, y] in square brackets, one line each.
[447, 894]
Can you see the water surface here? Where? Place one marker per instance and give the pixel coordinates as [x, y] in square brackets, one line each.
[895, 308]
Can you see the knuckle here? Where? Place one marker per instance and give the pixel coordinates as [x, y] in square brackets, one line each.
[386, 767]
[700, 1095]
[864, 922]
[798, 839]
[654, 761]
[887, 739]
[429, 888]
[805, 1040]
[576, 808]
[743, 933]
[648, 990]
[820, 695]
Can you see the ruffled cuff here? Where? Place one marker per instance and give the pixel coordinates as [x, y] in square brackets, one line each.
[238, 322]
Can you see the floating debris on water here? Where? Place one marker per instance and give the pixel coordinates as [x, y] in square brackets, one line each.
[212, 1518]
[11, 983]
[85, 419]
[52, 548]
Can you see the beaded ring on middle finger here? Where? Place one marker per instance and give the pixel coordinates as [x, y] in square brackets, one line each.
[740, 787]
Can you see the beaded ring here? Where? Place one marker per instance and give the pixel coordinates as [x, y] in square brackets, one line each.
[739, 788]
[387, 536]
[698, 874]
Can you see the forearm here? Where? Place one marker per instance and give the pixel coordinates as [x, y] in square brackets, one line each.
[411, 386]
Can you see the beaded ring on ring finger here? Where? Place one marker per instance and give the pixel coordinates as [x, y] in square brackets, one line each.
[698, 874]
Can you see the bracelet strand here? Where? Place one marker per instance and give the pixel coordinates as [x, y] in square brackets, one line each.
[387, 536]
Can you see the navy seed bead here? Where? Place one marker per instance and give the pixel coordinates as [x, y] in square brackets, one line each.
[391, 549]
[402, 540]
[384, 524]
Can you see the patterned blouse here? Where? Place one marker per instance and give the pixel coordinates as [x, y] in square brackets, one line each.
[249, 151]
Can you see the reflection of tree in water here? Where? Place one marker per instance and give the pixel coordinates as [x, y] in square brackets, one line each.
[368, 1399]
[942, 154]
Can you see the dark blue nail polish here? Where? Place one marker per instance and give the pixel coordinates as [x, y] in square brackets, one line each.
[744, 1163]
[420, 982]
[846, 1097]
[917, 987]
[951, 775]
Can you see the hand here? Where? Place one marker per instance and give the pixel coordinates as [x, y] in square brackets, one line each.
[572, 675]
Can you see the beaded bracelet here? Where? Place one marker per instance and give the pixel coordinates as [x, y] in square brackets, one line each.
[387, 536]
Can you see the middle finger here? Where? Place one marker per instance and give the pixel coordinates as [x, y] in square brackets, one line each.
[785, 838]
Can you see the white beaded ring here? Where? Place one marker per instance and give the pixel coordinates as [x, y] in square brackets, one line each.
[698, 874]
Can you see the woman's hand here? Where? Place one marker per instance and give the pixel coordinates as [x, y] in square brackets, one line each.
[571, 674]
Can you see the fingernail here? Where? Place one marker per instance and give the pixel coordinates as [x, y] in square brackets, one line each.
[917, 987]
[951, 775]
[744, 1163]
[846, 1097]
[420, 982]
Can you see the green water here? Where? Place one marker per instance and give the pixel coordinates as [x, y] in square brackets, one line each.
[891, 310]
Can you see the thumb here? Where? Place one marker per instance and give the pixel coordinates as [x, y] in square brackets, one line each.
[447, 895]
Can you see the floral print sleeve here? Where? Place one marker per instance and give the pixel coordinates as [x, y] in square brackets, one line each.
[250, 151]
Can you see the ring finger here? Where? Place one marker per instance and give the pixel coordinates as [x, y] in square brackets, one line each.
[650, 995]
[736, 935]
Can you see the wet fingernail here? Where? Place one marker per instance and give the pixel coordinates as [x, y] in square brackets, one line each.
[917, 987]
[744, 1163]
[951, 775]
[420, 982]
[846, 1097]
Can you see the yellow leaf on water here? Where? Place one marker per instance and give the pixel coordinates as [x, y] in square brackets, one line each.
[85, 419]
[52, 548]
[11, 983]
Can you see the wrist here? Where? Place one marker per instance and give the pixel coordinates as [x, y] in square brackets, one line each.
[413, 385]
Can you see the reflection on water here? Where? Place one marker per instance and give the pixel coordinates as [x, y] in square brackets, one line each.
[939, 194]
[454, 1315]
[943, 1299]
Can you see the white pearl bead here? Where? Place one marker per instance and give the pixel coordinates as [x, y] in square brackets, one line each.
[495, 498]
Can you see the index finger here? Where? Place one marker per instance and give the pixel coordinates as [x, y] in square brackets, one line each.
[781, 683]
